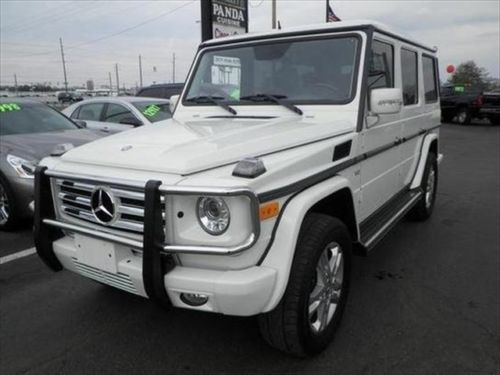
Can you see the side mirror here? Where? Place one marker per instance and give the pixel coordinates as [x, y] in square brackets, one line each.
[173, 101]
[131, 121]
[80, 123]
[385, 101]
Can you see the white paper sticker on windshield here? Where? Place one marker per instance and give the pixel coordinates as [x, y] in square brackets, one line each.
[227, 61]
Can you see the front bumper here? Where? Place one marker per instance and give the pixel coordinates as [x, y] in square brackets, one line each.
[490, 111]
[236, 292]
[147, 267]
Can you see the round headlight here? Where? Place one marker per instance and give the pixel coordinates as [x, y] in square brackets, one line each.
[213, 215]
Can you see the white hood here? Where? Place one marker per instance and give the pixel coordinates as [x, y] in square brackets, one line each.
[183, 148]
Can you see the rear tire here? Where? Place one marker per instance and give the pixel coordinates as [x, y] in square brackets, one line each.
[463, 116]
[305, 320]
[423, 209]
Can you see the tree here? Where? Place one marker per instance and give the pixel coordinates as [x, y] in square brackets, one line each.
[468, 73]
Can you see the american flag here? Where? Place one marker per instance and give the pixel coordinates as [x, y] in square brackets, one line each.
[330, 16]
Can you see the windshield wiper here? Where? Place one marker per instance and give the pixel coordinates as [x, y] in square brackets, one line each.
[212, 99]
[278, 99]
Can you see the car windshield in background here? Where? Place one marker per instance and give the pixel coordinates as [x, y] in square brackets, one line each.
[25, 118]
[301, 72]
[154, 111]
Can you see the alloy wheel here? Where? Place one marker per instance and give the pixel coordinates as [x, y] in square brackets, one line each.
[4, 206]
[430, 187]
[325, 295]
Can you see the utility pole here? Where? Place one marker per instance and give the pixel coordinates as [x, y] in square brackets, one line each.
[64, 65]
[173, 67]
[110, 83]
[117, 81]
[140, 71]
[15, 82]
[274, 13]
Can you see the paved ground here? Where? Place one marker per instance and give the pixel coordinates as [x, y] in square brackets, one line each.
[427, 301]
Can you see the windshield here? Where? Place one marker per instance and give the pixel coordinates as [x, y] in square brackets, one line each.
[153, 110]
[314, 71]
[25, 118]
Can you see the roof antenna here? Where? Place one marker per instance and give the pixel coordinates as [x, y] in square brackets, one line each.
[279, 25]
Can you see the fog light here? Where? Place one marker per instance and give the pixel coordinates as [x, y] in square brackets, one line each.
[193, 299]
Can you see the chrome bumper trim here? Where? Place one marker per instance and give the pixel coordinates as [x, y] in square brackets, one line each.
[166, 190]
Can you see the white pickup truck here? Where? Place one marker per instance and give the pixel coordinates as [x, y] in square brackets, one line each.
[288, 151]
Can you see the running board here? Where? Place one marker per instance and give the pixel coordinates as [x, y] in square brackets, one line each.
[375, 227]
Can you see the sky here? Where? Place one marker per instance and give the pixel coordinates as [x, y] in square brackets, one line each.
[99, 34]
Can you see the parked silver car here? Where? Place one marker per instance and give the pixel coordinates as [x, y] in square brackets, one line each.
[116, 114]
[29, 131]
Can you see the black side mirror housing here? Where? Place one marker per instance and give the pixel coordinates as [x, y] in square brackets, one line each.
[131, 121]
[80, 123]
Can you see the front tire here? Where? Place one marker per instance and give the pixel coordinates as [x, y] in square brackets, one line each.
[8, 212]
[305, 320]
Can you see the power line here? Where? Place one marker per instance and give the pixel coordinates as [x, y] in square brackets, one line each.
[133, 27]
[113, 34]
[53, 18]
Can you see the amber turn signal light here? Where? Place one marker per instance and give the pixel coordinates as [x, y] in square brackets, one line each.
[269, 210]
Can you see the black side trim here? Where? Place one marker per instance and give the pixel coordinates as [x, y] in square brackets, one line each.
[332, 171]
[154, 264]
[43, 234]
[378, 224]
[290, 189]
[305, 183]
[342, 150]
[372, 223]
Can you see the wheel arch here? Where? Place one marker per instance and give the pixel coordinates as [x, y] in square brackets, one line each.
[430, 143]
[314, 199]
[339, 204]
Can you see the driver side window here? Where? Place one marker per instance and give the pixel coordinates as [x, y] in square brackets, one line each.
[381, 73]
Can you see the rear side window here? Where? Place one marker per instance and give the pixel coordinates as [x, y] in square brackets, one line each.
[115, 113]
[91, 112]
[430, 79]
[381, 72]
[409, 76]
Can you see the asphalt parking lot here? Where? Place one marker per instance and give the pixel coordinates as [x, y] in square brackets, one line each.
[426, 301]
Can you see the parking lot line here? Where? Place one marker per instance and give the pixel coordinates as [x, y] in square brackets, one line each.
[19, 254]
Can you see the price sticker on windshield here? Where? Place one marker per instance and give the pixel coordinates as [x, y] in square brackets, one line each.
[151, 110]
[9, 107]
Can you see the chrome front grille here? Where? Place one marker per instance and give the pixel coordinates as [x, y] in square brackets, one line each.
[73, 198]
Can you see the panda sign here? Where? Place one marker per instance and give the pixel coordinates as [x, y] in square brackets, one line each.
[223, 18]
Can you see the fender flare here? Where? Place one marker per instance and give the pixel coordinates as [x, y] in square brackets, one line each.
[424, 151]
[281, 253]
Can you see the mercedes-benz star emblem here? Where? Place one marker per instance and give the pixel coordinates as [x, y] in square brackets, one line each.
[102, 204]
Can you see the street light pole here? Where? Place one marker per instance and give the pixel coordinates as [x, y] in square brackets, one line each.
[110, 83]
[15, 82]
[140, 71]
[273, 11]
[173, 68]
[64, 65]
[117, 81]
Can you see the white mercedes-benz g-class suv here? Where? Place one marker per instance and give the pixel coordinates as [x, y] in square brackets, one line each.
[287, 152]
